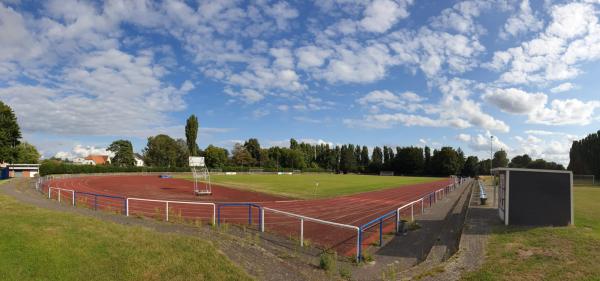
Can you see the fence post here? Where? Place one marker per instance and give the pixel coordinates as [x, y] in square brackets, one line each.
[219, 215]
[73, 198]
[260, 211]
[262, 220]
[249, 214]
[380, 232]
[301, 232]
[49, 191]
[397, 220]
[95, 202]
[412, 212]
[167, 211]
[59, 196]
[359, 248]
[127, 207]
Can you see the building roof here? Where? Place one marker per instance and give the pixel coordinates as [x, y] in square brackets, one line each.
[24, 166]
[530, 170]
[98, 159]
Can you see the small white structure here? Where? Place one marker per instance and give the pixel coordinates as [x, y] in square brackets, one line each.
[82, 161]
[139, 160]
[201, 176]
[23, 170]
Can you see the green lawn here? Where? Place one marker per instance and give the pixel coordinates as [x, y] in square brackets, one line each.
[304, 186]
[37, 244]
[562, 253]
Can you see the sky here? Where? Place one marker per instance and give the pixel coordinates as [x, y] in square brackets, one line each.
[82, 74]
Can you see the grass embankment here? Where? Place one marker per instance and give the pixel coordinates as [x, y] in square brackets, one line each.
[562, 253]
[38, 244]
[304, 186]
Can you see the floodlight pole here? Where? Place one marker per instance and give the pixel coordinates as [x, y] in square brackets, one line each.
[491, 153]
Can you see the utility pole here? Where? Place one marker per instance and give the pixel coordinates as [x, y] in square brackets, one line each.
[491, 153]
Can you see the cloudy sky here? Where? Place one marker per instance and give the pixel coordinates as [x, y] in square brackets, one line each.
[81, 74]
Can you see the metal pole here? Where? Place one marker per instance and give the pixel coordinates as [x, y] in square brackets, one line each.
[249, 214]
[262, 220]
[491, 153]
[412, 212]
[59, 196]
[301, 232]
[380, 232]
[73, 198]
[167, 211]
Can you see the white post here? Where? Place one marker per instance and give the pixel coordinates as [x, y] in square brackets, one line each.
[412, 212]
[167, 211]
[262, 219]
[49, 192]
[422, 206]
[301, 232]
[127, 208]
[59, 196]
[73, 197]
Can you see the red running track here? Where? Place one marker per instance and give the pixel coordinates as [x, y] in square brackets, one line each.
[355, 210]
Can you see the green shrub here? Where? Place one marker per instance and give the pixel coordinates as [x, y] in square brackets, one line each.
[327, 260]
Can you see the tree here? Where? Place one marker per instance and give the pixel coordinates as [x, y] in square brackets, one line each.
[9, 133]
[293, 144]
[123, 151]
[163, 151]
[215, 157]
[191, 133]
[520, 161]
[585, 155]
[470, 167]
[241, 156]
[253, 147]
[347, 159]
[500, 160]
[427, 168]
[445, 162]
[26, 154]
[376, 160]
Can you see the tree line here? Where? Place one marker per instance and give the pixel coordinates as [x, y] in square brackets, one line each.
[585, 155]
[12, 149]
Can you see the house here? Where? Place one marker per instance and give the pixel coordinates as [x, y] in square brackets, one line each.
[21, 170]
[82, 161]
[139, 160]
[98, 159]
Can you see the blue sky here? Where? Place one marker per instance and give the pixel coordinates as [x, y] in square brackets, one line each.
[81, 74]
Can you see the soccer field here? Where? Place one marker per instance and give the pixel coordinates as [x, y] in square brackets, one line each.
[307, 186]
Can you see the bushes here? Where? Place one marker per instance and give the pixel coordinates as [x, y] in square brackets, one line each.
[53, 168]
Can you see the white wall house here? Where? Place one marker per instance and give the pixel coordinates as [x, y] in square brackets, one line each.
[139, 161]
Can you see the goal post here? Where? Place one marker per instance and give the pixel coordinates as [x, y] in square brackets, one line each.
[386, 173]
[584, 180]
[201, 176]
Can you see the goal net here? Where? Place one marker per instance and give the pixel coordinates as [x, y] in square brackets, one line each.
[201, 176]
[386, 173]
[255, 171]
[584, 180]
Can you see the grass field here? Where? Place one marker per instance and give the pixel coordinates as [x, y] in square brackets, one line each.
[38, 244]
[564, 253]
[304, 186]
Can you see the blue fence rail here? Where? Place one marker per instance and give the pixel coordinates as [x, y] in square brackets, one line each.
[96, 196]
[249, 205]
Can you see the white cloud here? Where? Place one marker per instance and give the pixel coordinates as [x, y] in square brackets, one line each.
[565, 112]
[522, 22]
[81, 151]
[515, 101]
[571, 38]
[481, 143]
[562, 88]
[381, 15]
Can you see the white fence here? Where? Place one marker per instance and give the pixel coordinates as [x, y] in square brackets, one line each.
[167, 202]
[60, 191]
[305, 218]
